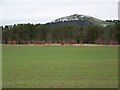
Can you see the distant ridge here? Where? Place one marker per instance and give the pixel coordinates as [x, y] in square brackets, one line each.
[80, 20]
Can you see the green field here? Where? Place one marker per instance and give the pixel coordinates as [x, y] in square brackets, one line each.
[60, 66]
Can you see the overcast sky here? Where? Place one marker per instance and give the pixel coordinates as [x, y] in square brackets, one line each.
[43, 11]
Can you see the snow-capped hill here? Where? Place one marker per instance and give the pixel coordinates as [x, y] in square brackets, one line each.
[78, 19]
[70, 18]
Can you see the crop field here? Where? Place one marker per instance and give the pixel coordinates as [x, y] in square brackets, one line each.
[60, 66]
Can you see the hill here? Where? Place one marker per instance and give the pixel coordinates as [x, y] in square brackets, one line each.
[83, 20]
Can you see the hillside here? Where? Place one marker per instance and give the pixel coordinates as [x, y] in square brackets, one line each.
[83, 20]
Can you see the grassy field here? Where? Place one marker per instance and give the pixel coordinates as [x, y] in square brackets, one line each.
[60, 67]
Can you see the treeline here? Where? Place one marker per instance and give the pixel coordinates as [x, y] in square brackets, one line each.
[64, 34]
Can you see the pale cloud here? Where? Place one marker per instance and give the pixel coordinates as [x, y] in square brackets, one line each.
[59, 1]
[43, 11]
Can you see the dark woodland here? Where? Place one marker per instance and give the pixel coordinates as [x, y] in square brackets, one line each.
[63, 33]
